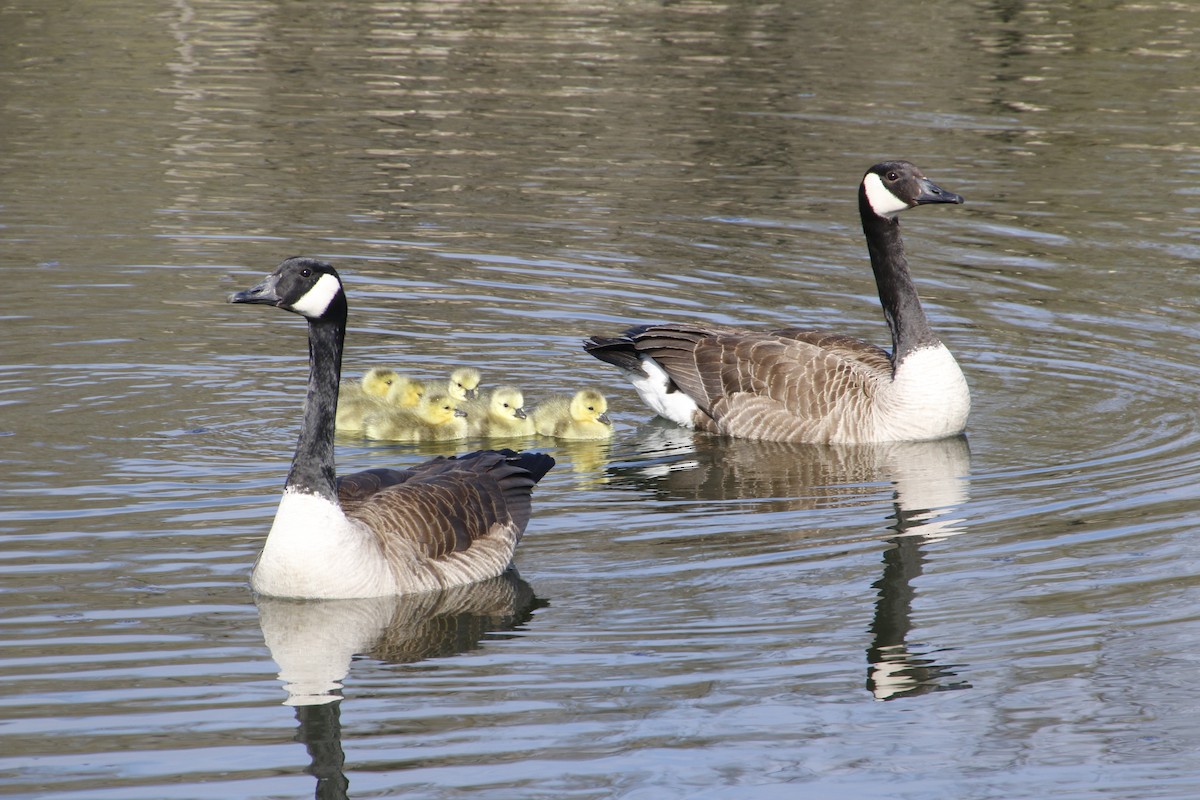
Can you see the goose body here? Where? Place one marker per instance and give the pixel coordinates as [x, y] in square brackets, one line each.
[501, 414]
[435, 418]
[447, 522]
[580, 416]
[800, 385]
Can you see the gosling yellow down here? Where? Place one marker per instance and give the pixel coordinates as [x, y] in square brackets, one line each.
[400, 391]
[583, 416]
[501, 415]
[463, 383]
[436, 418]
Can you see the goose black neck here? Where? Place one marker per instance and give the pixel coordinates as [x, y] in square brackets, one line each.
[897, 293]
[313, 468]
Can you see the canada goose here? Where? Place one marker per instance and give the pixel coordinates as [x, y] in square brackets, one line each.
[354, 407]
[435, 418]
[447, 522]
[463, 383]
[581, 416]
[801, 385]
[502, 414]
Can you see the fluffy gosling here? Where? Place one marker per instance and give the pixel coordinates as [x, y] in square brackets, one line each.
[501, 415]
[463, 383]
[435, 418]
[583, 416]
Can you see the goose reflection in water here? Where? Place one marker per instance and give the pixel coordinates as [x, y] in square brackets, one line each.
[929, 480]
[313, 642]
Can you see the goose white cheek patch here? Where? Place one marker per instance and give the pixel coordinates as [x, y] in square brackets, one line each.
[882, 201]
[314, 302]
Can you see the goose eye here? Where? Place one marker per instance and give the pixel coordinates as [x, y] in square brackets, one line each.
[306, 272]
[891, 176]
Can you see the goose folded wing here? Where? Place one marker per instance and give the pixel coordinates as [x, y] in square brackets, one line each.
[357, 488]
[445, 505]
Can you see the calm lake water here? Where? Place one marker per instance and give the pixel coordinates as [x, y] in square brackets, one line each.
[1013, 614]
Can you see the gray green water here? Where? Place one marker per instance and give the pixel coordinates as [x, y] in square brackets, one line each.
[1016, 614]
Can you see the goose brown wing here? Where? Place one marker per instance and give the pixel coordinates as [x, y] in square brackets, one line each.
[789, 384]
[445, 505]
[868, 356]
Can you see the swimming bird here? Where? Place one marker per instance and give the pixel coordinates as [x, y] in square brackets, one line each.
[354, 407]
[375, 382]
[463, 383]
[435, 418]
[800, 385]
[502, 414]
[446, 522]
[580, 416]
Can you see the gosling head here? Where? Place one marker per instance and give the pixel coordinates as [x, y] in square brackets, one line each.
[507, 403]
[439, 409]
[378, 381]
[463, 383]
[588, 405]
[405, 392]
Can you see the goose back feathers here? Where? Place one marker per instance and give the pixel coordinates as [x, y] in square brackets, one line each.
[802, 385]
[446, 522]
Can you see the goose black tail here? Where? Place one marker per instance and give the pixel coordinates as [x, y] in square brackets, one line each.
[618, 351]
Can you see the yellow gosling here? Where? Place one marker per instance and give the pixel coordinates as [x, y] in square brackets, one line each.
[583, 416]
[501, 415]
[352, 411]
[463, 383]
[436, 418]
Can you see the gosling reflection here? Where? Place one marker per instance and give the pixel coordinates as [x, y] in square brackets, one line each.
[313, 642]
[929, 481]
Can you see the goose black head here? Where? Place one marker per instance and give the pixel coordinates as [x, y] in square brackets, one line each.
[893, 186]
[305, 286]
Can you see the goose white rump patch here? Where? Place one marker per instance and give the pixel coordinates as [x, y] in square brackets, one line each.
[675, 406]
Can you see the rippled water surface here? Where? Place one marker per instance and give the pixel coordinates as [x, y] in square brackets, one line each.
[1011, 614]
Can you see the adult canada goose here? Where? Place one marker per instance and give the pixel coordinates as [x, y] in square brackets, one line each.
[502, 414]
[354, 407]
[800, 385]
[463, 383]
[581, 416]
[435, 418]
[447, 522]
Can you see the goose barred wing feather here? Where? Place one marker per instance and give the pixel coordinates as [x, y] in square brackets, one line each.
[789, 384]
[446, 505]
[358, 487]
